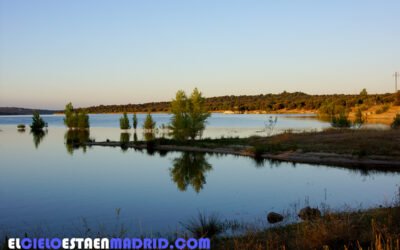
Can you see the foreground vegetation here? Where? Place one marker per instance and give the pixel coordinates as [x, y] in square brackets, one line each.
[374, 229]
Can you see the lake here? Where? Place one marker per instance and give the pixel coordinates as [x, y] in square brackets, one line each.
[47, 188]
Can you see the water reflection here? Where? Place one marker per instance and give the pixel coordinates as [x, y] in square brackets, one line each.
[75, 139]
[38, 136]
[124, 140]
[149, 135]
[190, 170]
[135, 138]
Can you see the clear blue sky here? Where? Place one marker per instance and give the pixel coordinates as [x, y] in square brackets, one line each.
[115, 52]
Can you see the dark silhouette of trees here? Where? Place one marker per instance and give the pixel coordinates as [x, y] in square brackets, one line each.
[134, 121]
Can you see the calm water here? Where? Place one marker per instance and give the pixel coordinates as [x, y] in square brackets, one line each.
[47, 187]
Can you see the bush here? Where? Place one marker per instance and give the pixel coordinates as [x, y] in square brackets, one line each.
[37, 122]
[74, 119]
[21, 126]
[396, 122]
[382, 109]
[208, 226]
[124, 122]
[149, 128]
[340, 121]
[189, 115]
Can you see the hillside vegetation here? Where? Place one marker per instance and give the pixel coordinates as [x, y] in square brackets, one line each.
[269, 103]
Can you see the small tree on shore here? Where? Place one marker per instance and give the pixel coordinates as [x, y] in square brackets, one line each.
[74, 119]
[135, 121]
[149, 126]
[340, 121]
[83, 120]
[189, 115]
[70, 119]
[37, 123]
[124, 122]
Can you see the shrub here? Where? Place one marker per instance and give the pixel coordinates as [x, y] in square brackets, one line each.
[37, 122]
[340, 121]
[149, 127]
[205, 226]
[21, 126]
[189, 115]
[75, 119]
[382, 109]
[124, 122]
[396, 122]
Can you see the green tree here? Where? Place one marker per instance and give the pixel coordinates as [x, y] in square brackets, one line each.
[189, 115]
[149, 123]
[70, 119]
[75, 119]
[37, 122]
[149, 128]
[124, 122]
[180, 119]
[340, 121]
[83, 120]
[197, 114]
[135, 121]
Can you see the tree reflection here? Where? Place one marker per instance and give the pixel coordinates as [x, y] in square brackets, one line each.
[75, 139]
[124, 140]
[190, 169]
[38, 136]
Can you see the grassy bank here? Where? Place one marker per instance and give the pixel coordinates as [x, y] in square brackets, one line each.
[377, 228]
[364, 148]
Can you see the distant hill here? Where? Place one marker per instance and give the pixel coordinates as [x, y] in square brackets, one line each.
[282, 102]
[24, 111]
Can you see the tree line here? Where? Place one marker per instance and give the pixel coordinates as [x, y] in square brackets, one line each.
[265, 102]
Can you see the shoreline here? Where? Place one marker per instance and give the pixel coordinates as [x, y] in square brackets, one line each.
[365, 149]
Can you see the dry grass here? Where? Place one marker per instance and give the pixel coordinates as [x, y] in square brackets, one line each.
[341, 141]
[373, 229]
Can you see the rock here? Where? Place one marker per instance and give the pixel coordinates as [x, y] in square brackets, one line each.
[273, 217]
[309, 213]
